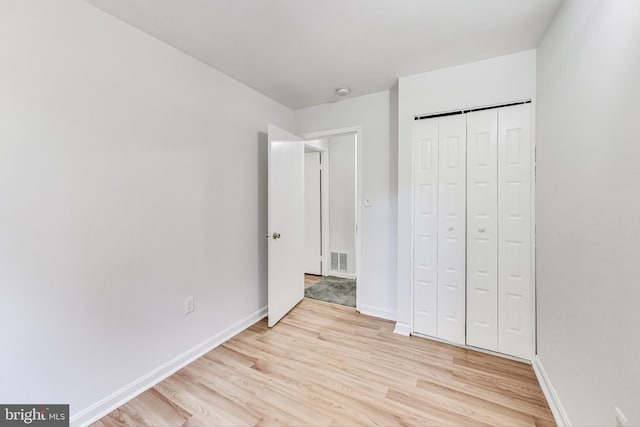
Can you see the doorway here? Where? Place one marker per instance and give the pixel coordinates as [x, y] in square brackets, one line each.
[331, 218]
[285, 216]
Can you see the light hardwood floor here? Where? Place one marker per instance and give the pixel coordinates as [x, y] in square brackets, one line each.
[310, 279]
[326, 365]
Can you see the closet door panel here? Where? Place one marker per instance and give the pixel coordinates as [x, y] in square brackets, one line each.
[515, 322]
[482, 229]
[425, 245]
[451, 228]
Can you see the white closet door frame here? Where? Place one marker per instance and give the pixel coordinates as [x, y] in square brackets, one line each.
[482, 229]
[532, 233]
[425, 226]
[515, 250]
[452, 200]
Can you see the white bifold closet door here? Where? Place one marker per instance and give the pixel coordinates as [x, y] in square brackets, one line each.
[515, 308]
[439, 227]
[499, 310]
[482, 229]
[425, 233]
[452, 182]
[472, 229]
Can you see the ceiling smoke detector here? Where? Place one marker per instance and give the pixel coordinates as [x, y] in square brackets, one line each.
[343, 91]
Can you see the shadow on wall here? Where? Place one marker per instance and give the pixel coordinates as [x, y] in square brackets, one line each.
[393, 168]
[262, 219]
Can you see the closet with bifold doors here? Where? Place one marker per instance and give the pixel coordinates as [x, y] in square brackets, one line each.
[472, 229]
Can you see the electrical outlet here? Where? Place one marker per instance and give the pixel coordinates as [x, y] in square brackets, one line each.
[188, 305]
[621, 420]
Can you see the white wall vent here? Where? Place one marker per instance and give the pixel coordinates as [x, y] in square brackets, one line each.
[335, 262]
[339, 262]
[343, 262]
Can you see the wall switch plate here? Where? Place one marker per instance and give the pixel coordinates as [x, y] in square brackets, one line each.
[188, 305]
[621, 420]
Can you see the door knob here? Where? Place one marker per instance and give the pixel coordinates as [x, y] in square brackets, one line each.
[481, 230]
[450, 228]
[276, 235]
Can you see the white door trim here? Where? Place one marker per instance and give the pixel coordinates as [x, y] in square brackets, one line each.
[324, 156]
[357, 130]
[534, 309]
[312, 212]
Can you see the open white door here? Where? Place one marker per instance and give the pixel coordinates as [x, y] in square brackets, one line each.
[285, 222]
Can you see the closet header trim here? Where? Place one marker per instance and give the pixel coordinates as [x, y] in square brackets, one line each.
[453, 113]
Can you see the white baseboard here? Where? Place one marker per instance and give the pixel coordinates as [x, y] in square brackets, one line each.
[342, 275]
[402, 329]
[559, 414]
[115, 400]
[380, 312]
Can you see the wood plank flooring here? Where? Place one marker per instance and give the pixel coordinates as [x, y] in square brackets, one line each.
[326, 365]
[310, 279]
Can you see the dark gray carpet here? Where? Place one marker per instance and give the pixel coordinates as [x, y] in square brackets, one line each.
[333, 289]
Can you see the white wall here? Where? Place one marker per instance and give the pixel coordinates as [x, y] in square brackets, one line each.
[588, 209]
[492, 81]
[131, 176]
[342, 198]
[376, 114]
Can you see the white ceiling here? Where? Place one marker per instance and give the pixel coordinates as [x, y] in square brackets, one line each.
[298, 51]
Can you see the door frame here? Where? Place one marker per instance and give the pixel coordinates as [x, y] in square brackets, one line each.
[357, 131]
[324, 200]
